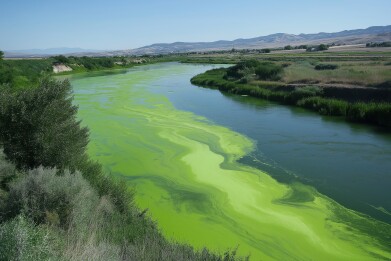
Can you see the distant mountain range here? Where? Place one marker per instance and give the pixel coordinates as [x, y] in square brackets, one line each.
[358, 36]
[49, 52]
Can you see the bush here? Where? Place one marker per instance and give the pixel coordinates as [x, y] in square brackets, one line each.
[22, 240]
[301, 93]
[39, 127]
[269, 71]
[242, 69]
[321, 47]
[45, 197]
[8, 173]
[326, 67]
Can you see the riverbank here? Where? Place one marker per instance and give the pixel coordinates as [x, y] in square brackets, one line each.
[364, 105]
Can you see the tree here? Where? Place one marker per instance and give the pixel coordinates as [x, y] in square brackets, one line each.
[322, 47]
[1, 55]
[38, 127]
[61, 59]
[288, 47]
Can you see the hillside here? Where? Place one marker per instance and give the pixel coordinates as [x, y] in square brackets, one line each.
[358, 36]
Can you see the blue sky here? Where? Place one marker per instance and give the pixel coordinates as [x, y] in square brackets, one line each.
[120, 24]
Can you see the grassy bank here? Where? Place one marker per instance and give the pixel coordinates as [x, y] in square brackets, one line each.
[310, 97]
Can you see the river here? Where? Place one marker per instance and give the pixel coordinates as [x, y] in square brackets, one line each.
[223, 171]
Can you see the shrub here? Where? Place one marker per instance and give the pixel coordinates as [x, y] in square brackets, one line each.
[323, 47]
[301, 93]
[269, 72]
[8, 173]
[23, 73]
[22, 240]
[326, 67]
[242, 69]
[42, 195]
[39, 127]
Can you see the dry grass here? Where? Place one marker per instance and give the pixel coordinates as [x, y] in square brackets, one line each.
[354, 73]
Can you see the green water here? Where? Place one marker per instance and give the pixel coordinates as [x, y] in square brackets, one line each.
[186, 172]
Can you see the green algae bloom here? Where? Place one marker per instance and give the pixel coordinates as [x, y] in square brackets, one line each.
[186, 173]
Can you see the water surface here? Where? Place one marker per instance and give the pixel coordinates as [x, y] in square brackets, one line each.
[207, 164]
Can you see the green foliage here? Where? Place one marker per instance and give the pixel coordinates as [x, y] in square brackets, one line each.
[60, 59]
[18, 74]
[321, 47]
[1, 55]
[245, 70]
[320, 67]
[8, 173]
[42, 196]
[310, 97]
[39, 127]
[332, 107]
[300, 93]
[373, 112]
[22, 240]
[301, 47]
[288, 47]
[242, 69]
[269, 71]
[266, 50]
[382, 44]
[89, 63]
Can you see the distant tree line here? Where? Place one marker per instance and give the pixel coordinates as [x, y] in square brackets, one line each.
[383, 44]
[317, 48]
[90, 63]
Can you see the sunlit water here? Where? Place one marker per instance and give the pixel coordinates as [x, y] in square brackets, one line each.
[206, 166]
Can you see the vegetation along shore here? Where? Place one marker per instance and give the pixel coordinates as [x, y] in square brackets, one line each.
[359, 91]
